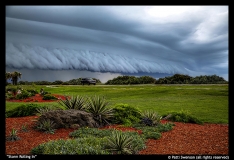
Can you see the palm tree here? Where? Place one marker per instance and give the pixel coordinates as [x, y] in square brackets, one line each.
[14, 76]
[7, 76]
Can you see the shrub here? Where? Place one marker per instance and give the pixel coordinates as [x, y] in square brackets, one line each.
[23, 110]
[12, 89]
[42, 92]
[165, 127]
[125, 114]
[183, 116]
[9, 96]
[49, 97]
[152, 135]
[23, 95]
[86, 131]
[153, 132]
[32, 91]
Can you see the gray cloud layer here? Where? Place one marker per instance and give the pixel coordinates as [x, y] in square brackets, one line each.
[119, 39]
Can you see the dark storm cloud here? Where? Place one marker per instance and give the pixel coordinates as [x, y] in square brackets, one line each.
[92, 17]
[119, 39]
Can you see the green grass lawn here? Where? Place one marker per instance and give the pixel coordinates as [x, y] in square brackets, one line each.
[208, 102]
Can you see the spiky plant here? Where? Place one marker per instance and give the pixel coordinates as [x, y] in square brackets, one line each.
[118, 143]
[150, 118]
[46, 126]
[98, 106]
[13, 135]
[45, 109]
[24, 128]
[75, 102]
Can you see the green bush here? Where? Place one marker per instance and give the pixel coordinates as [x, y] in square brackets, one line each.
[49, 97]
[165, 127]
[23, 110]
[125, 114]
[153, 132]
[12, 89]
[33, 91]
[9, 96]
[44, 93]
[183, 116]
[152, 135]
[23, 95]
[86, 131]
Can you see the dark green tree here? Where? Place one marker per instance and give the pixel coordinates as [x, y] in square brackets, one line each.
[15, 76]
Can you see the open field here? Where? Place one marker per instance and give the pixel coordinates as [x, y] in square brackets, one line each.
[208, 102]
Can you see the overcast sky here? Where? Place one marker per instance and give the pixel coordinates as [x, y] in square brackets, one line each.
[68, 42]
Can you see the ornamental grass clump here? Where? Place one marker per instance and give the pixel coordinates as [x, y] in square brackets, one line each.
[150, 118]
[46, 126]
[124, 142]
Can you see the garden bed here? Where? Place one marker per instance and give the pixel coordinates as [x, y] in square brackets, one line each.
[37, 98]
[184, 138]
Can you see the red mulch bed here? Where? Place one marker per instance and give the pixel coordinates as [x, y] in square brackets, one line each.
[36, 98]
[184, 138]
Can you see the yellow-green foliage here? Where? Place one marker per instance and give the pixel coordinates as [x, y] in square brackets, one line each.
[126, 114]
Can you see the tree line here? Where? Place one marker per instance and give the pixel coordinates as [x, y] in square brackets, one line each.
[58, 82]
[175, 79]
[185, 79]
[15, 76]
[125, 80]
